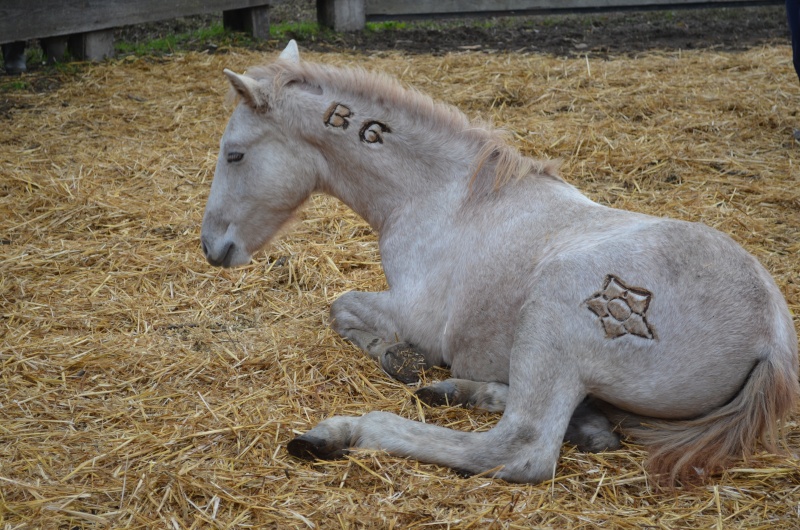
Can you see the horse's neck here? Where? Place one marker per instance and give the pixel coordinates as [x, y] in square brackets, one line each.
[388, 179]
[382, 146]
[387, 150]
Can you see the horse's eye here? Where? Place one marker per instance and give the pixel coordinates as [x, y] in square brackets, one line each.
[233, 156]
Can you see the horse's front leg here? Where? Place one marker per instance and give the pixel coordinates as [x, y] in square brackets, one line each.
[366, 320]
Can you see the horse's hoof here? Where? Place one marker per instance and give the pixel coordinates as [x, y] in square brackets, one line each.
[404, 363]
[307, 447]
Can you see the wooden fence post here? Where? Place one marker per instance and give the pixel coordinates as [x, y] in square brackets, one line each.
[92, 45]
[252, 20]
[341, 15]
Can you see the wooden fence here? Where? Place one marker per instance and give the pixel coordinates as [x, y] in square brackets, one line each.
[86, 26]
[351, 15]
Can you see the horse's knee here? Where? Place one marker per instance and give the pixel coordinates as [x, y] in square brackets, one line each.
[352, 318]
[343, 317]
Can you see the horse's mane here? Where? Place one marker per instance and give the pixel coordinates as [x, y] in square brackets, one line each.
[494, 152]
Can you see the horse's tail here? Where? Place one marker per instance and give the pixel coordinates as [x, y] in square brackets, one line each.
[690, 450]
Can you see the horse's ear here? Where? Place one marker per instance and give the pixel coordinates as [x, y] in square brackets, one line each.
[248, 89]
[290, 53]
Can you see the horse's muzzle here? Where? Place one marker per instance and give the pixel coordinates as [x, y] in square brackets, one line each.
[223, 256]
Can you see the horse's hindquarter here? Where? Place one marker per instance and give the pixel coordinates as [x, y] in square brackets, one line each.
[666, 318]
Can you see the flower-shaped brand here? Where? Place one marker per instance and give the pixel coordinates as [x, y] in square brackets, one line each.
[621, 309]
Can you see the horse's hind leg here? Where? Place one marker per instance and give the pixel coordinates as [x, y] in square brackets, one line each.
[589, 429]
[364, 319]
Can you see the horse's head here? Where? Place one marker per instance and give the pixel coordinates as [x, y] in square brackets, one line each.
[263, 174]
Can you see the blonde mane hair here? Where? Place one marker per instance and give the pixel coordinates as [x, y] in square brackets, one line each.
[496, 162]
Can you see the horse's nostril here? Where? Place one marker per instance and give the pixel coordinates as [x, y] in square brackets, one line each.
[227, 254]
[204, 247]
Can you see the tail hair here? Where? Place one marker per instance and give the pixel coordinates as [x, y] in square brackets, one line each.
[689, 451]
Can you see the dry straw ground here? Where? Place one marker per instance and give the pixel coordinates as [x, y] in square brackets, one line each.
[141, 388]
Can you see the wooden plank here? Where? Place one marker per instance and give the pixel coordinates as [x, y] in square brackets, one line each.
[375, 9]
[341, 15]
[31, 19]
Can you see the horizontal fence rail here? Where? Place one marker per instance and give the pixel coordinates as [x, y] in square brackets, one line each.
[350, 15]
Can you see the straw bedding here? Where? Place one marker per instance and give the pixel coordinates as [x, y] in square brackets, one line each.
[141, 388]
